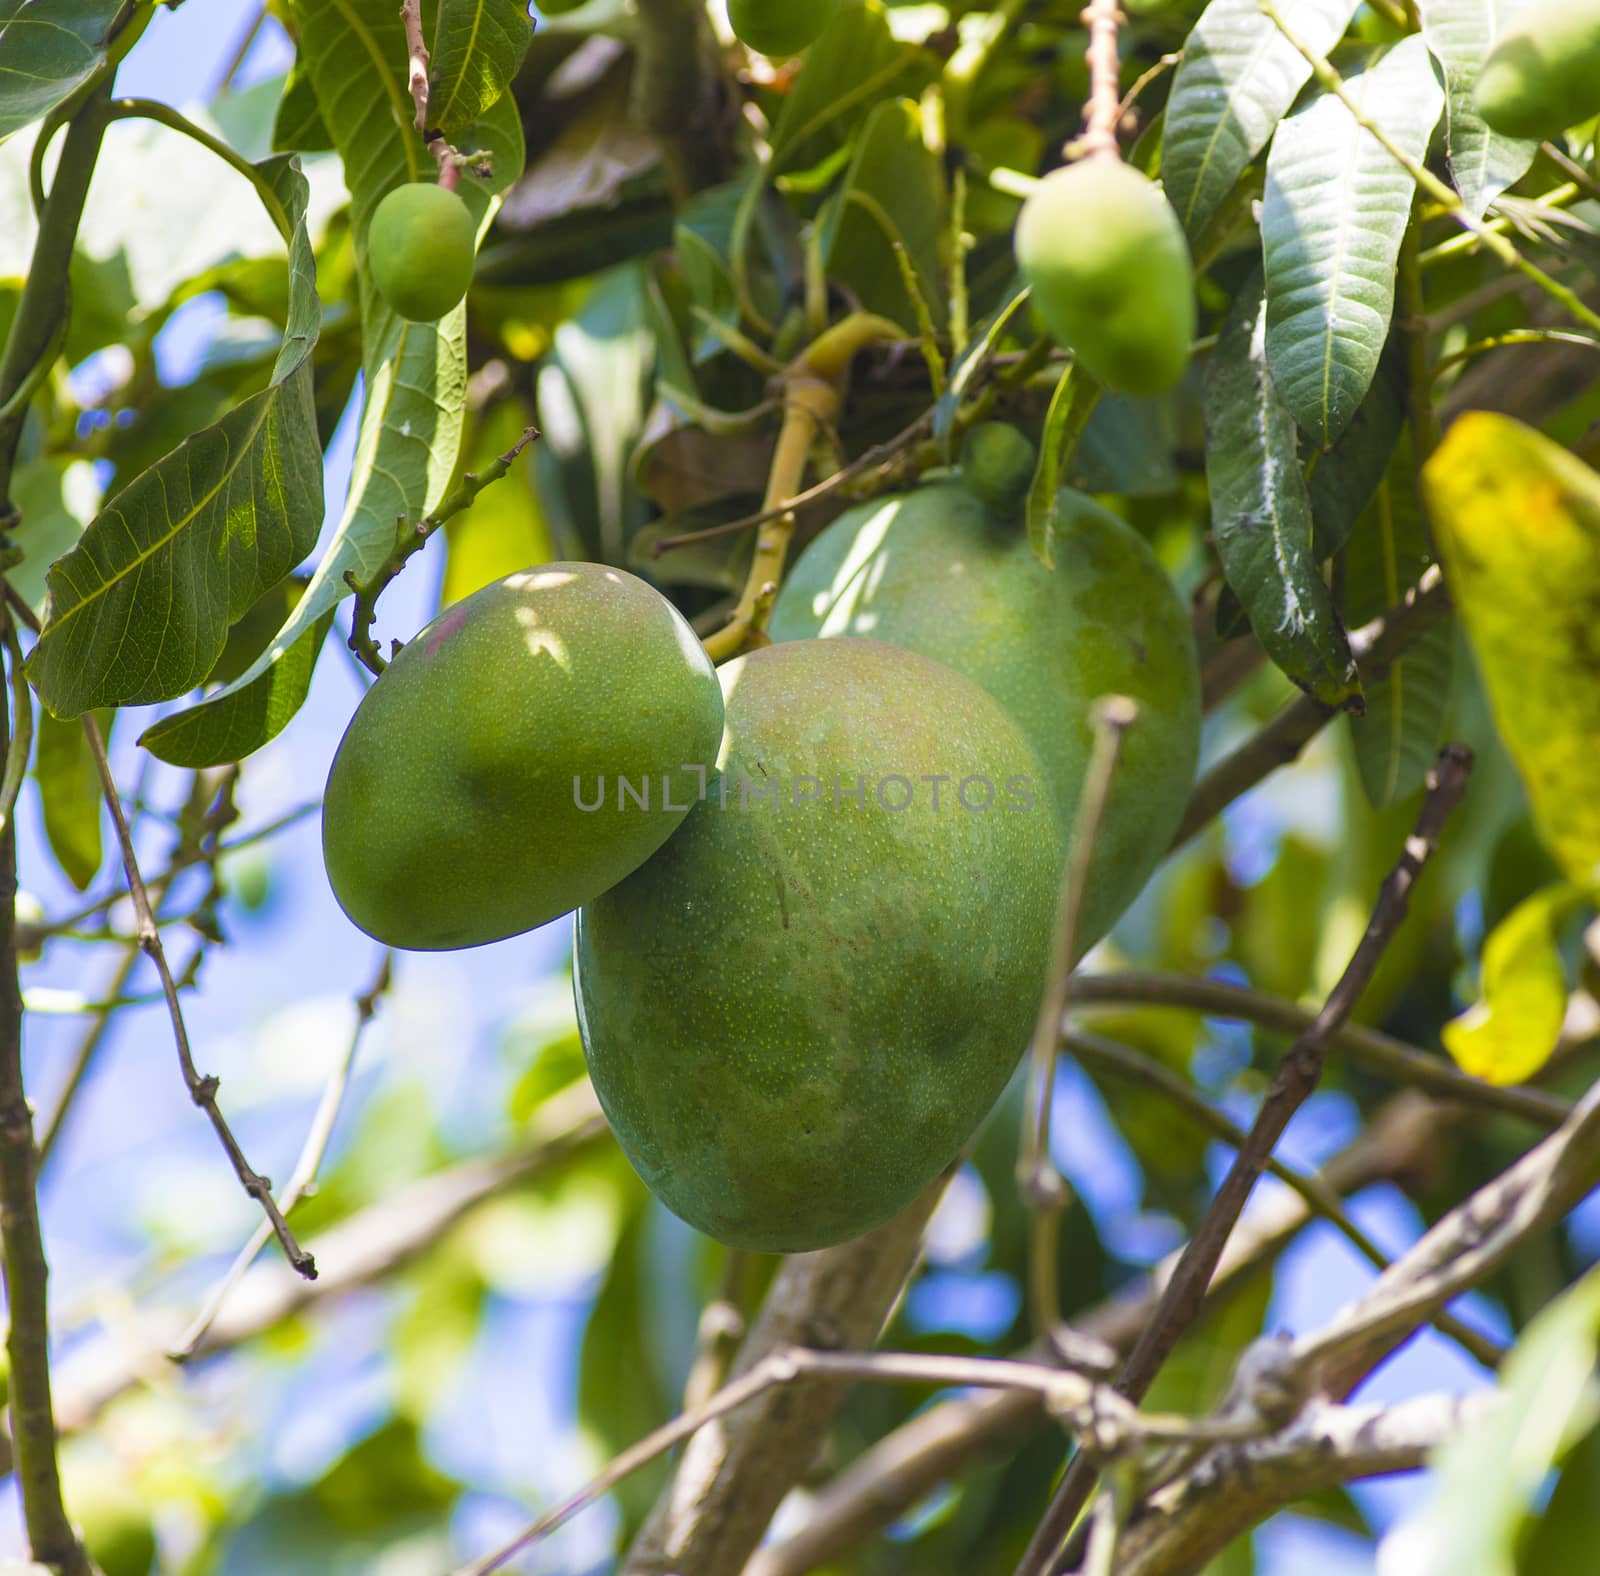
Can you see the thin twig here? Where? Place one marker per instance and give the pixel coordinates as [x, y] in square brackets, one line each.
[416, 60]
[1374, 646]
[1295, 1079]
[1100, 114]
[303, 1179]
[1083, 1404]
[1044, 1190]
[202, 1090]
[410, 539]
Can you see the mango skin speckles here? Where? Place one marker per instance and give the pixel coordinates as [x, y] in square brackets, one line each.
[795, 1015]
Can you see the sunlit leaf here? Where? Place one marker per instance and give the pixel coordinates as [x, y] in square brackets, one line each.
[1237, 79]
[1335, 208]
[1261, 510]
[47, 52]
[1483, 163]
[1508, 1034]
[477, 47]
[1517, 521]
[139, 609]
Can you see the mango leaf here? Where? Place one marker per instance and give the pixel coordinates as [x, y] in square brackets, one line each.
[1335, 208]
[893, 191]
[1487, 1478]
[1517, 522]
[1070, 407]
[1483, 163]
[139, 610]
[55, 499]
[1236, 81]
[415, 373]
[478, 46]
[47, 52]
[298, 125]
[1261, 510]
[69, 791]
[971, 362]
[1347, 476]
[1399, 736]
[1508, 1034]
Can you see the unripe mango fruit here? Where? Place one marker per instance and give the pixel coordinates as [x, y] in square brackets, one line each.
[1109, 268]
[1543, 74]
[421, 245]
[779, 27]
[997, 465]
[800, 1009]
[479, 790]
[939, 572]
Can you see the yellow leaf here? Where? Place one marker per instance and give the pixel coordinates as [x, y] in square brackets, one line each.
[1509, 1035]
[1517, 520]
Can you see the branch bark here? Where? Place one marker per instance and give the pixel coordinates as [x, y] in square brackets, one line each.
[909, 1464]
[33, 1424]
[734, 1474]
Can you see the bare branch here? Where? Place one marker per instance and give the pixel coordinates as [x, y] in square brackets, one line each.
[203, 1091]
[732, 1476]
[1293, 1082]
[416, 60]
[907, 1465]
[304, 1176]
[1101, 113]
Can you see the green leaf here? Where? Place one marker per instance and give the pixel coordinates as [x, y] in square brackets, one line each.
[1517, 522]
[478, 46]
[1261, 510]
[55, 499]
[1070, 407]
[1398, 738]
[972, 361]
[1487, 1477]
[1507, 1035]
[411, 421]
[140, 608]
[298, 126]
[1236, 81]
[893, 191]
[1460, 33]
[69, 790]
[1335, 208]
[47, 51]
[1347, 476]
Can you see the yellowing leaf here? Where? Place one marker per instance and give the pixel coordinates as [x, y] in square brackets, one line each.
[1509, 1035]
[1517, 521]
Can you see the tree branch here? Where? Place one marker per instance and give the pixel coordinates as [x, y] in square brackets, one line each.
[1101, 113]
[1374, 646]
[33, 1424]
[732, 1476]
[1296, 1077]
[903, 1468]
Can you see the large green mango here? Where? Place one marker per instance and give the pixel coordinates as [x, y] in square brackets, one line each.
[937, 572]
[1543, 74]
[536, 742]
[801, 1008]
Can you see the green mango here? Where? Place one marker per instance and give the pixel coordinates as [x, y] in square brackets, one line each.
[1106, 259]
[937, 571]
[802, 1007]
[109, 1516]
[536, 742]
[421, 245]
[779, 27]
[1543, 73]
[997, 464]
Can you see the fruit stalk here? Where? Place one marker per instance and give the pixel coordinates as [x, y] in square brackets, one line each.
[1101, 113]
[812, 391]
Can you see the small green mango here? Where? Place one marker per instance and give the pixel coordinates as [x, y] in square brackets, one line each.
[109, 1516]
[997, 465]
[1543, 74]
[1110, 273]
[779, 27]
[421, 246]
[802, 1007]
[536, 742]
[937, 571]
